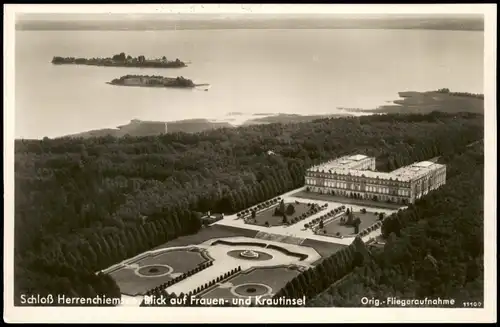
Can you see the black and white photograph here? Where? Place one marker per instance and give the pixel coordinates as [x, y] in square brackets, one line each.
[214, 160]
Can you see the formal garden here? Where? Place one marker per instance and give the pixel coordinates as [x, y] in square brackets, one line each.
[259, 281]
[351, 223]
[154, 269]
[324, 218]
[284, 214]
[259, 207]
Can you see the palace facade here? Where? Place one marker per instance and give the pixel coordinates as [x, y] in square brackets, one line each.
[355, 176]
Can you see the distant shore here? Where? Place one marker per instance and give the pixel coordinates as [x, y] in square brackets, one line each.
[425, 102]
[412, 102]
[138, 127]
[288, 118]
[121, 60]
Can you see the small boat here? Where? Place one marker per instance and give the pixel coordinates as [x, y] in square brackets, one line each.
[206, 90]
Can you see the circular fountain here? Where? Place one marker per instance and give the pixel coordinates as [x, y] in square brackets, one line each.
[251, 290]
[154, 270]
[249, 254]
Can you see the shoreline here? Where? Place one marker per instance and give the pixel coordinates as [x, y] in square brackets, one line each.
[447, 103]
[414, 102]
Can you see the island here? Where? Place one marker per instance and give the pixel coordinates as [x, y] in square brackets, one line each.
[154, 81]
[121, 60]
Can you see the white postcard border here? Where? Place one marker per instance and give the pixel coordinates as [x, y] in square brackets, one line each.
[264, 315]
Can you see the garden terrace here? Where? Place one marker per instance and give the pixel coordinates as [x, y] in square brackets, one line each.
[259, 207]
[326, 217]
[270, 278]
[341, 228]
[138, 276]
[179, 278]
[210, 284]
[293, 213]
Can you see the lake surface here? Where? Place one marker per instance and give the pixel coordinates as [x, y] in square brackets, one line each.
[249, 71]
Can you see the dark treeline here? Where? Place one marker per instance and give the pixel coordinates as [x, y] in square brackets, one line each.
[85, 204]
[461, 94]
[121, 60]
[434, 249]
[153, 80]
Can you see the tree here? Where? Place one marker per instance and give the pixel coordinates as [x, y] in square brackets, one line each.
[321, 226]
[350, 218]
[253, 214]
[120, 57]
[356, 224]
[285, 220]
[282, 207]
[290, 209]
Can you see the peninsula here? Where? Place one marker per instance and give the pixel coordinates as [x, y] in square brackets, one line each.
[121, 60]
[154, 81]
[443, 100]
[139, 128]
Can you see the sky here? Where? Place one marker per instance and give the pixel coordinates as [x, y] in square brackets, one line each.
[209, 16]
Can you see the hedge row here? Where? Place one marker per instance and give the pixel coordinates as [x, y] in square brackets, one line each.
[258, 207]
[159, 288]
[216, 280]
[373, 227]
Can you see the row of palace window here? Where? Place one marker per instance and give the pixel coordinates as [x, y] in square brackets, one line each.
[353, 179]
[362, 195]
[343, 185]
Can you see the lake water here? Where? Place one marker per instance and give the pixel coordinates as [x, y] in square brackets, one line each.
[250, 71]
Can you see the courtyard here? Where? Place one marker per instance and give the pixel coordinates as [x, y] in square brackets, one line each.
[268, 218]
[337, 228]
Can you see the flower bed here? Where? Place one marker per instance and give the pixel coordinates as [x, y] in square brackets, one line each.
[259, 207]
[370, 229]
[301, 211]
[326, 217]
[315, 208]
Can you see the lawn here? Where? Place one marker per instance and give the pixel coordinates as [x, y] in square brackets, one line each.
[268, 215]
[180, 261]
[335, 226]
[325, 249]
[132, 284]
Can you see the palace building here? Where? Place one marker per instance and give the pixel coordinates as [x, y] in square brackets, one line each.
[355, 176]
